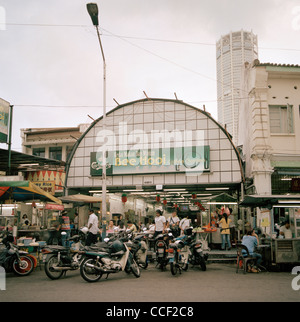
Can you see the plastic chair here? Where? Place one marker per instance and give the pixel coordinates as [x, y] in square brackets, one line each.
[244, 258]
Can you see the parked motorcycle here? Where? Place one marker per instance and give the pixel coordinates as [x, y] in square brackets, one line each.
[185, 250]
[14, 260]
[161, 249]
[179, 251]
[59, 259]
[113, 259]
[138, 247]
[196, 255]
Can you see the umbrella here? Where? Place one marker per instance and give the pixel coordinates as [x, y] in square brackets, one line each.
[23, 190]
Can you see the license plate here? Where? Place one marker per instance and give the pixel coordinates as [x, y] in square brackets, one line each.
[170, 255]
[161, 250]
[199, 250]
[44, 258]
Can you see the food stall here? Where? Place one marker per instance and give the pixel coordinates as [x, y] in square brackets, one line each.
[274, 211]
[29, 205]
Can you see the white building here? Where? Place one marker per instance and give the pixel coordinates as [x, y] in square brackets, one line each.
[233, 50]
[269, 134]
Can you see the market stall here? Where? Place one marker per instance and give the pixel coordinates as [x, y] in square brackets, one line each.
[278, 220]
[27, 205]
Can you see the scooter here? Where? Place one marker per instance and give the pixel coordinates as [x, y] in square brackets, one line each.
[60, 259]
[14, 260]
[115, 259]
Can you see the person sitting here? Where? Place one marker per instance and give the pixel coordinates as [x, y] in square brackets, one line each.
[251, 241]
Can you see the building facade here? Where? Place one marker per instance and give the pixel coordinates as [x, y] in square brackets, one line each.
[269, 134]
[232, 51]
[54, 144]
[157, 149]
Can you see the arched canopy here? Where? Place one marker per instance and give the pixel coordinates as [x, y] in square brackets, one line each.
[154, 142]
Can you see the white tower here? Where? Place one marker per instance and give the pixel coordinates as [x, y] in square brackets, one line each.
[233, 50]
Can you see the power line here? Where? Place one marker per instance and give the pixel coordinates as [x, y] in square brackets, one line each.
[132, 37]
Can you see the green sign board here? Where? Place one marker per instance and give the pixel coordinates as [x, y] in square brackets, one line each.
[151, 161]
[4, 118]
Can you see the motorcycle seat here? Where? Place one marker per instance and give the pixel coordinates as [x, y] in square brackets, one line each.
[119, 253]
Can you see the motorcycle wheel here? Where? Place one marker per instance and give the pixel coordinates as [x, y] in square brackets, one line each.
[49, 270]
[135, 269]
[24, 268]
[90, 274]
[185, 267]
[174, 268]
[144, 265]
[202, 263]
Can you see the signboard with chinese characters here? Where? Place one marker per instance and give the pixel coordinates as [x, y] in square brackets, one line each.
[4, 118]
[48, 186]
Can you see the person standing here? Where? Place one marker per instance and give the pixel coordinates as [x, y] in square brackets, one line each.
[232, 227]
[173, 223]
[225, 231]
[184, 224]
[76, 223]
[160, 223]
[93, 228]
[64, 227]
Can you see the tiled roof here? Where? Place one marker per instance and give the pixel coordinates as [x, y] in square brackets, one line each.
[258, 63]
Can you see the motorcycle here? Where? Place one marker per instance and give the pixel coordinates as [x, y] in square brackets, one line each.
[185, 250]
[60, 259]
[112, 259]
[196, 255]
[14, 260]
[138, 247]
[161, 249]
[178, 253]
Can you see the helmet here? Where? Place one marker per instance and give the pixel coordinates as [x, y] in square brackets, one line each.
[116, 246]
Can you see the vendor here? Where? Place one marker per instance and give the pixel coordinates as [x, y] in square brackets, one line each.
[286, 230]
[25, 221]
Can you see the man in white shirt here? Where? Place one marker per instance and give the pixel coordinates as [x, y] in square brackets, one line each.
[93, 228]
[184, 223]
[160, 223]
[173, 223]
[286, 230]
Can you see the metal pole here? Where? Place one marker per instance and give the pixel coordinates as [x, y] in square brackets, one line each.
[9, 139]
[103, 150]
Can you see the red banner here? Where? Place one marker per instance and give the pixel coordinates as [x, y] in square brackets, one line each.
[54, 206]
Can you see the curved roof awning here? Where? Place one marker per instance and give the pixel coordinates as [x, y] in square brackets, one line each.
[24, 190]
[80, 198]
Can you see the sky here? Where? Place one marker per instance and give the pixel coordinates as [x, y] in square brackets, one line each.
[51, 67]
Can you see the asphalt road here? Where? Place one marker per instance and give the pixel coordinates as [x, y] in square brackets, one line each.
[219, 283]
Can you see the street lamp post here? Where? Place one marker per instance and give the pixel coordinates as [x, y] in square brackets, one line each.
[92, 9]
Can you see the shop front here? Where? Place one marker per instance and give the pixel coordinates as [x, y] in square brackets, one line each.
[278, 223]
[27, 211]
[160, 153]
